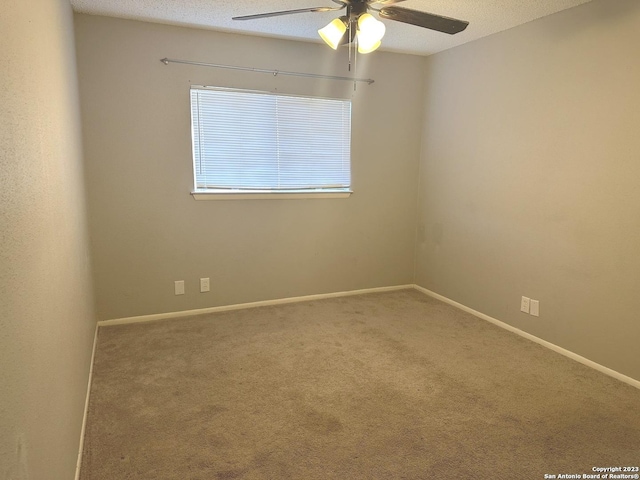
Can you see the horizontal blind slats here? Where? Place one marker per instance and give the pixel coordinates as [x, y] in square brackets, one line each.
[252, 140]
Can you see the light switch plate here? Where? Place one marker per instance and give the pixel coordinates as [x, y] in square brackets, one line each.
[179, 287]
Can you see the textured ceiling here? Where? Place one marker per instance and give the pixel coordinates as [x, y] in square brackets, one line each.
[485, 16]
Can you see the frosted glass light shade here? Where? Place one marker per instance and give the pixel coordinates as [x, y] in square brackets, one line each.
[333, 32]
[370, 33]
[368, 48]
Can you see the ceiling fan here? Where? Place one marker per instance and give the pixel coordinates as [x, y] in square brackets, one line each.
[363, 27]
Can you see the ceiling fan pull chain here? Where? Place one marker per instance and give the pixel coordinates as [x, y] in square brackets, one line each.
[355, 65]
[349, 33]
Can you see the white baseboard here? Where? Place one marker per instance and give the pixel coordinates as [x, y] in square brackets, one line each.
[86, 405]
[567, 353]
[281, 301]
[240, 306]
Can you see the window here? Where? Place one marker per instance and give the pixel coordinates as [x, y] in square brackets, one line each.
[248, 143]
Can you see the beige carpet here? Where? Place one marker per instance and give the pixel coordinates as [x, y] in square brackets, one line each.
[380, 386]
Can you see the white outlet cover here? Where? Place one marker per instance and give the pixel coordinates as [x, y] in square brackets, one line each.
[535, 308]
[179, 287]
[524, 304]
[204, 285]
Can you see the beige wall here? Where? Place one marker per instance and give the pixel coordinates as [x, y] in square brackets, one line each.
[46, 317]
[147, 230]
[529, 180]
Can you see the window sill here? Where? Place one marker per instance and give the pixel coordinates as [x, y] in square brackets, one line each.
[262, 195]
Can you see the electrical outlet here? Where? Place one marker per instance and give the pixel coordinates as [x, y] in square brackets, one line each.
[179, 287]
[535, 308]
[204, 285]
[524, 304]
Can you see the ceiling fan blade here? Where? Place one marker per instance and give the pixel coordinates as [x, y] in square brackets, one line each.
[288, 12]
[423, 19]
[384, 2]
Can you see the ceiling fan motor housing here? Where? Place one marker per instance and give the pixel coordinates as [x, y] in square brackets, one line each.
[356, 8]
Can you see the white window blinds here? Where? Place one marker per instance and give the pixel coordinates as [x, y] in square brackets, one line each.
[244, 140]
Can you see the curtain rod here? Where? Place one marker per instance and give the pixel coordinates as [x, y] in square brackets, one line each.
[167, 61]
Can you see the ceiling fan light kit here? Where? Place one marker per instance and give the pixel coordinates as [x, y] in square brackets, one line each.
[369, 31]
[334, 31]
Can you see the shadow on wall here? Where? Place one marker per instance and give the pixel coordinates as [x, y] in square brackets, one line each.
[604, 13]
[18, 471]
